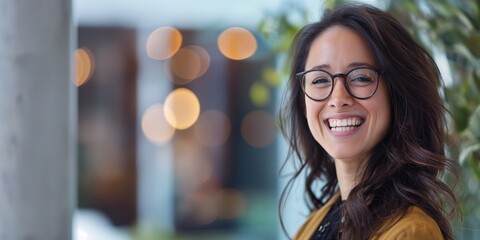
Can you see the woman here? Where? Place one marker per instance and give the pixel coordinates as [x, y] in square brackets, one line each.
[364, 116]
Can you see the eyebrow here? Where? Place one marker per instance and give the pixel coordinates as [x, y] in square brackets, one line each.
[351, 65]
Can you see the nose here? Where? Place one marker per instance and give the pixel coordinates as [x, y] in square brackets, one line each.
[340, 97]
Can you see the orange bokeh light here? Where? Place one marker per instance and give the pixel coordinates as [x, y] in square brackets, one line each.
[237, 43]
[155, 126]
[163, 43]
[188, 63]
[181, 108]
[84, 65]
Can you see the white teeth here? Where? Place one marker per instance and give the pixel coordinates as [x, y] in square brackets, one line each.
[346, 122]
[342, 129]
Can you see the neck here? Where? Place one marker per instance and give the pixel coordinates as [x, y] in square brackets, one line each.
[348, 173]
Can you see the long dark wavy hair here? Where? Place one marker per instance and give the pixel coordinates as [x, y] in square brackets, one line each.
[405, 168]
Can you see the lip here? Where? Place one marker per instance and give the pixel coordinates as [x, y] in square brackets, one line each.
[340, 117]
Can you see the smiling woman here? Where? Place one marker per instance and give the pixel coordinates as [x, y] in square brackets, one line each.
[364, 115]
[342, 48]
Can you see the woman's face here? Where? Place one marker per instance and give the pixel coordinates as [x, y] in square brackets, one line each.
[337, 50]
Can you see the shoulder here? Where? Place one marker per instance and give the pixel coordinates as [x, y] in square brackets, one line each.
[415, 224]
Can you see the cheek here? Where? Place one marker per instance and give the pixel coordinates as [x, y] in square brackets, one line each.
[382, 118]
[310, 110]
[382, 113]
[312, 114]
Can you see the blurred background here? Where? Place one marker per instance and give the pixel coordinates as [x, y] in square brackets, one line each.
[177, 100]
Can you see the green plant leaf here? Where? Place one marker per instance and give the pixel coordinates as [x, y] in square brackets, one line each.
[467, 152]
[474, 124]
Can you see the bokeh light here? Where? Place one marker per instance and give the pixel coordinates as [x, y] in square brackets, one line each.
[259, 94]
[84, 66]
[186, 64]
[189, 63]
[181, 108]
[237, 43]
[258, 128]
[271, 76]
[212, 128]
[155, 127]
[163, 43]
[204, 58]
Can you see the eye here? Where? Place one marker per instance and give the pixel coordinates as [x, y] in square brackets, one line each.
[363, 79]
[360, 80]
[320, 81]
[317, 79]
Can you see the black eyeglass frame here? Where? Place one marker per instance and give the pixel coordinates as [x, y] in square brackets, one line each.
[301, 75]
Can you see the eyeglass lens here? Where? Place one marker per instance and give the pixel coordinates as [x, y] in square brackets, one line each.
[360, 83]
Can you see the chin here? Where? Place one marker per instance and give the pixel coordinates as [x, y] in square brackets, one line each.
[342, 154]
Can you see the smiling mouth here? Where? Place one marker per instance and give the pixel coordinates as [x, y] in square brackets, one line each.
[345, 124]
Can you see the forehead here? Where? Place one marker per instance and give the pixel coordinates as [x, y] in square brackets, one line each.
[337, 48]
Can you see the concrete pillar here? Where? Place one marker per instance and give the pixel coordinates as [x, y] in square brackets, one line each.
[37, 120]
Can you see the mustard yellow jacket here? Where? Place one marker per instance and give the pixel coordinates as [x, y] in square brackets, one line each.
[415, 224]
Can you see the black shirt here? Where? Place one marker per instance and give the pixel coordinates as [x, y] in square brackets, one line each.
[330, 226]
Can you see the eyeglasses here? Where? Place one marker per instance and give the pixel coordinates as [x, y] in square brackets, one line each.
[360, 82]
